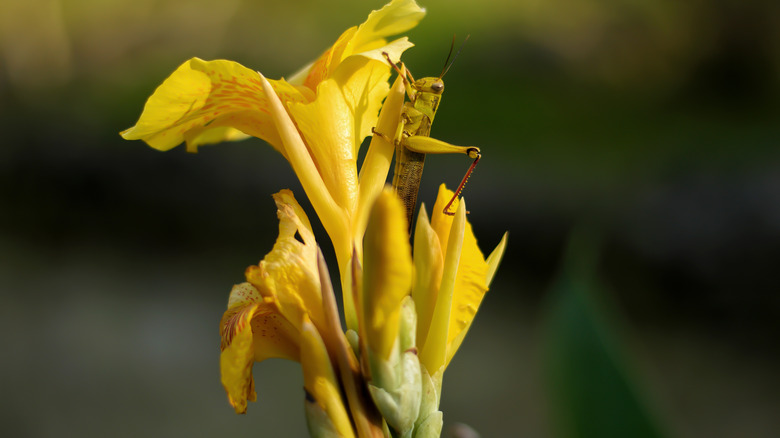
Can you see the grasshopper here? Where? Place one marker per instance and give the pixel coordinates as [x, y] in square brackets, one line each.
[413, 140]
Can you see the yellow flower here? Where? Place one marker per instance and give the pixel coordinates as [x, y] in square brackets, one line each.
[284, 310]
[265, 315]
[317, 119]
[451, 279]
[400, 302]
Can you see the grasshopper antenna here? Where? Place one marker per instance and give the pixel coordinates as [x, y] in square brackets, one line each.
[447, 62]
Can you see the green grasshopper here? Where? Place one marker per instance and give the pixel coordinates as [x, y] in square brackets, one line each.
[413, 141]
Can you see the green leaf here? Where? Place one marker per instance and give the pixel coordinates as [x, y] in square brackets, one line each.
[592, 393]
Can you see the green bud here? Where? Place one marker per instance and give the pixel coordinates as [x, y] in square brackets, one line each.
[430, 396]
[431, 426]
[407, 335]
[396, 385]
[354, 341]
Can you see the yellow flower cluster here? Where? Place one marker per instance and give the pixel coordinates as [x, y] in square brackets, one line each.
[407, 311]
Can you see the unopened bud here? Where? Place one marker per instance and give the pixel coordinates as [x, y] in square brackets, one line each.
[396, 385]
[430, 426]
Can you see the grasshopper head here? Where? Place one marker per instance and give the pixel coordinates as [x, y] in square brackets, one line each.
[429, 85]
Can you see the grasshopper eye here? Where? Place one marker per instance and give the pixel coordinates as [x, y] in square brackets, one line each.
[437, 87]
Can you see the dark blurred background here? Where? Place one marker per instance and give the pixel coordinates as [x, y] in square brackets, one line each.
[652, 127]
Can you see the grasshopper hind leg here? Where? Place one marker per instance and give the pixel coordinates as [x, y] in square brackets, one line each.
[476, 155]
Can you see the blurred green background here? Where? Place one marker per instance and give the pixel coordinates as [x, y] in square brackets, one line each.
[649, 126]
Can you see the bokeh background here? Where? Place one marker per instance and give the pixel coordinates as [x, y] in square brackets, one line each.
[648, 130]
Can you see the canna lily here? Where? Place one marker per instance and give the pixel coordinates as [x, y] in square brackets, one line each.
[279, 313]
[266, 314]
[398, 301]
[317, 119]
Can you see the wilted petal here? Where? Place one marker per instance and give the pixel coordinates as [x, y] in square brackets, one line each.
[252, 330]
[289, 272]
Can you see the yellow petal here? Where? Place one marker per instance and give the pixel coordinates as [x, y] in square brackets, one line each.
[335, 124]
[322, 68]
[363, 85]
[373, 173]
[367, 40]
[428, 266]
[211, 135]
[289, 272]
[494, 259]
[434, 354]
[393, 49]
[320, 381]
[470, 288]
[470, 281]
[387, 272]
[396, 17]
[333, 127]
[328, 129]
[440, 222]
[252, 330]
[333, 217]
[202, 98]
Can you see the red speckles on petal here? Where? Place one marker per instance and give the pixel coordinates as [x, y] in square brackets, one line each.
[233, 321]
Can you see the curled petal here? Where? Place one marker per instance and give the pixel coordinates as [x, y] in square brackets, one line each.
[252, 330]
